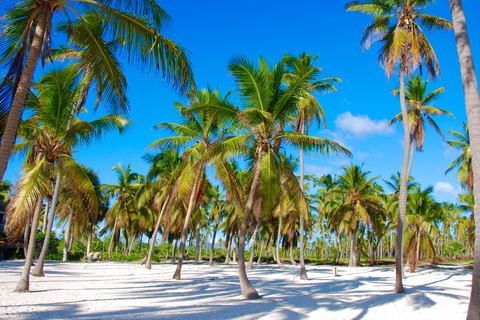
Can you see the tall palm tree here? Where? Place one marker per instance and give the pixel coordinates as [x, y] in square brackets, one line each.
[464, 161]
[308, 109]
[202, 131]
[399, 26]
[27, 35]
[419, 112]
[268, 105]
[472, 104]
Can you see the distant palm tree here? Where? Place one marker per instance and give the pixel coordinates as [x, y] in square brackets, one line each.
[399, 26]
[419, 112]
[464, 160]
[358, 198]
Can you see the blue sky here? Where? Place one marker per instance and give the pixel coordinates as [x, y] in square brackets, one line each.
[215, 31]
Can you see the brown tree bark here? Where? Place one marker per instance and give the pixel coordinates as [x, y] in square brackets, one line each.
[191, 204]
[66, 237]
[148, 264]
[23, 284]
[18, 101]
[303, 272]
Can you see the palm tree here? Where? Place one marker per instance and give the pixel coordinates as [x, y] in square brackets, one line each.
[359, 198]
[419, 112]
[464, 160]
[399, 25]
[268, 105]
[308, 109]
[27, 37]
[201, 129]
[472, 104]
[51, 135]
[119, 215]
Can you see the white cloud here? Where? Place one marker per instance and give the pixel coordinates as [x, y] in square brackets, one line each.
[445, 188]
[362, 125]
[317, 171]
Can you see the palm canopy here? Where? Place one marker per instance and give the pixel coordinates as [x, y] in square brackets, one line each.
[420, 109]
[399, 26]
[464, 161]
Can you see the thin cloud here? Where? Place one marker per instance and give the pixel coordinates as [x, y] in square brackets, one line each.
[445, 188]
[317, 170]
[361, 125]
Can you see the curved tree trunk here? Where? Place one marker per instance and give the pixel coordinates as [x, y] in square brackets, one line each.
[403, 189]
[250, 262]
[90, 239]
[248, 291]
[45, 214]
[472, 102]
[66, 237]
[303, 272]
[260, 256]
[26, 236]
[292, 260]
[212, 250]
[229, 240]
[279, 234]
[38, 270]
[174, 250]
[148, 264]
[18, 101]
[191, 204]
[23, 282]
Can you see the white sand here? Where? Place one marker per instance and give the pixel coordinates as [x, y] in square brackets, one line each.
[115, 290]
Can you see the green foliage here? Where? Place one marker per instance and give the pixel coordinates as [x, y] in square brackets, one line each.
[453, 249]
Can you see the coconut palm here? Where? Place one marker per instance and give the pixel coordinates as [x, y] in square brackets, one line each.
[201, 130]
[472, 104]
[464, 160]
[419, 112]
[120, 214]
[359, 198]
[51, 135]
[399, 26]
[27, 36]
[308, 109]
[268, 105]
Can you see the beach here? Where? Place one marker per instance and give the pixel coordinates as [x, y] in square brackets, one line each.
[124, 290]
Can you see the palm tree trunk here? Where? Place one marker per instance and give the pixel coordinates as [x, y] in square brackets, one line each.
[212, 250]
[472, 103]
[197, 242]
[250, 262]
[403, 188]
[234, 250]
[335, 250]
[229, 241]
[353, 251]
[23, 282]
[292, 260]
[90, 239]
[248, 291]
[26, 236]
[191, 204]
[148, 265]
[411, 160]
[22, 90]
[66, 237]
[279, 234]
[174, 250]
[303, 272]
[112, 240]
[38, 270]
[45, 214]
[260, 256]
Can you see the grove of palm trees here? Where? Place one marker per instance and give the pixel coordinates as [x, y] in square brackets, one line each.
[226, 160]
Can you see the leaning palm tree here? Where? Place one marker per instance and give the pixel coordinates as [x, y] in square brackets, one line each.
[399, 25]
[308, 109]
[27, 35]
[464, 161]
[51, 135]
[268, 105]
[419, 112]
[202, 131]
[472, 103]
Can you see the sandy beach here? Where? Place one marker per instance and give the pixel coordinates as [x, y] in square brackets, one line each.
[116, 290]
